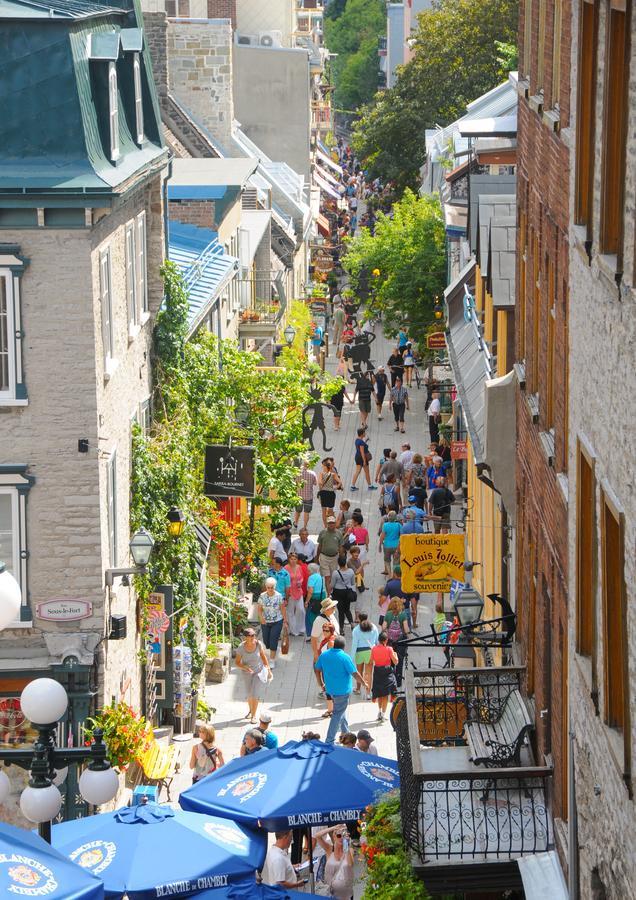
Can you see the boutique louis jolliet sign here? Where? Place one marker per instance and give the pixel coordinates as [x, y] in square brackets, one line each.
[229, 471]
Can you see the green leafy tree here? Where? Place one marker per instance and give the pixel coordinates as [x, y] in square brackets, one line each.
[353, 35]
[407, 253]
[456, 59]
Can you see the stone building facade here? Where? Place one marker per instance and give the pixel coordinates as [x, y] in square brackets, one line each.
[541, 327]
[602, 509]
[80, 288]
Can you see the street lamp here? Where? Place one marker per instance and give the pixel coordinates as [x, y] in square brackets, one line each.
[44, 702]
[176, 522]
[290, 334]
[469, 603]
[10, 597]
[140, 545]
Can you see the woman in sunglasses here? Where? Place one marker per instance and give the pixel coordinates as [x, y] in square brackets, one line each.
[339, 866]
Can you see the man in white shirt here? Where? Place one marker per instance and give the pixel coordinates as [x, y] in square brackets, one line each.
[304, 546]
[434, 415]
[278, 868]
[275, 548]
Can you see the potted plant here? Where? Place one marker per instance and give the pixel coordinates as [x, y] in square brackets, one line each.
[126, 733]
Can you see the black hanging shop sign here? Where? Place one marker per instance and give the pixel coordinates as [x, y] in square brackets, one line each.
[229, 471]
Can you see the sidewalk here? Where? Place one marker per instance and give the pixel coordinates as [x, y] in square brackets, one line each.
[293, 702]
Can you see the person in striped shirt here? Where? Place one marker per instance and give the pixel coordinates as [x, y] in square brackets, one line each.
[400, 403]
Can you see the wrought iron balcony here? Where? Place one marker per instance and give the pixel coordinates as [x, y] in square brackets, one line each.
[465, 824]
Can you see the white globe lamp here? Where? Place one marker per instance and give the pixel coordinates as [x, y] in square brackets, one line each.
[98, 786]
[5, 787]
[40, 804]
[44, 701]
[10, 597]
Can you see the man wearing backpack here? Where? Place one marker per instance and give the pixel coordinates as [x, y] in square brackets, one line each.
[389, 498]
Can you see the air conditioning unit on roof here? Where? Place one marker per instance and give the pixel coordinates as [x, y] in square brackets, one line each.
[246, 40]
[270, 38]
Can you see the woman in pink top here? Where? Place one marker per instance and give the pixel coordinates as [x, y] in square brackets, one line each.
[295, 602]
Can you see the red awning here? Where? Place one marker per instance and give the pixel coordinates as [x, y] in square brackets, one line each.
[323, 226]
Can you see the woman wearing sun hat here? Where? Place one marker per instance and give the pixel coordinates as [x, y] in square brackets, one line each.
[326, 616]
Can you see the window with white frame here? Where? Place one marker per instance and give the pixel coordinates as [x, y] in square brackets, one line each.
[14, 487]
[7, 342]
[106, 303]
[139, 107]
[111, 506]
[145, 415]
[131, 276]
[113, 111]
[142, 262]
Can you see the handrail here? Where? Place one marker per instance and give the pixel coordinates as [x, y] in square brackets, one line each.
[484, 774]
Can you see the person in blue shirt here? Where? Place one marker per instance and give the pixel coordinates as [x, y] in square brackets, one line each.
[280, 573]
[411, 524]
[337, 669]
[316, 340]
[418, 513]
[403, 338]
[434, 472]
[390, 539]
[270, 740]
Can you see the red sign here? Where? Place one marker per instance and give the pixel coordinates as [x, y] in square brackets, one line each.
[459, 450]
[436, 341]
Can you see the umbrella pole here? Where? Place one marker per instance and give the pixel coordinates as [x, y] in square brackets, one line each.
[312, 877]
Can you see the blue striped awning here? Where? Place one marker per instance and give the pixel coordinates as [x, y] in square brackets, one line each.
[205, 266]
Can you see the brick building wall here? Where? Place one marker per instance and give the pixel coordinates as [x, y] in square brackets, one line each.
[193, 212]
[222, 9]
[541, 328]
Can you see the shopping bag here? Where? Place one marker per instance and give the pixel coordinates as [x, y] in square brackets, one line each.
[284, 641]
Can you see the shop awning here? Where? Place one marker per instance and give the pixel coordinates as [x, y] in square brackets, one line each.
[323, 226]
[323, 156]
[500, 435]
[490, 126]
[469, 355]
[542, 876]
[327, 176]
[325, 186]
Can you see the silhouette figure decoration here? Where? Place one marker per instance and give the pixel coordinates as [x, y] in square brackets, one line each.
[314, 418]
[359, 351]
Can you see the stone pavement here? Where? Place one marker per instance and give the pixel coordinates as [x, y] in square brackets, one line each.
[292, 695]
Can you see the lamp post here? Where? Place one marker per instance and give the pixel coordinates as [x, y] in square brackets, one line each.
[290, 334]
[44, 702]
[140, 545]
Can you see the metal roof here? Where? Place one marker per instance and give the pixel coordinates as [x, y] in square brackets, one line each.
[491, 205]
[206, 268]
[489, 126]
[502, 261]
[55, 107]
[57, 9]
[256, 222]
[491, 185]
[216, 174]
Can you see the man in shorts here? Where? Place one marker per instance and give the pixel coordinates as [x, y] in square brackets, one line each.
[306, 485]
[329, 542]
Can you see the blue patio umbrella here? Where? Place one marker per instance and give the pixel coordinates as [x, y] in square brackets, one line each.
[249, 890]
[151, 851]
[29, 867]
[300, 784]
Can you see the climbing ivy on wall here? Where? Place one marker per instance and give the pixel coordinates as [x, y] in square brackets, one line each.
[198, 386]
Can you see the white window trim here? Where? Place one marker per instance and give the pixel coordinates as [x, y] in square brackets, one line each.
[9, 393]
[106, 308]
[131, 280]
[111, 507]
[113, 111]
[17, 485]
[141, 243]
[139, 106]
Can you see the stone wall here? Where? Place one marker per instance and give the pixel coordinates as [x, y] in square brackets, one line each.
[602, 327]
[156, 32]
[70, 399]
[200, 73]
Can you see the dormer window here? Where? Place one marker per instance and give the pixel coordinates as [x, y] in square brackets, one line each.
[113, 111]
[139, 107]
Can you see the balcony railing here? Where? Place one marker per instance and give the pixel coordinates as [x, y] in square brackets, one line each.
[453, 812]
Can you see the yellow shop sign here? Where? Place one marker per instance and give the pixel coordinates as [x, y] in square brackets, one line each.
[431, 561]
